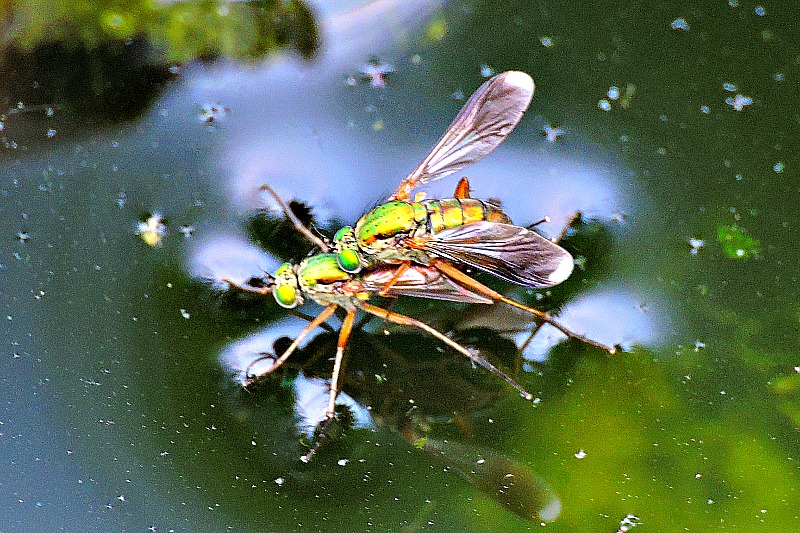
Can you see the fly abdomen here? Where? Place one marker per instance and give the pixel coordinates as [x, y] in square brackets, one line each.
[453, 212]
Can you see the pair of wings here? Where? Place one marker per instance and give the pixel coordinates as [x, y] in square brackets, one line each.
[512, 253]
[509, 252]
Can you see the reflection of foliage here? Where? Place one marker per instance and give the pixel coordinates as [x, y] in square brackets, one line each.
[737, 243]
[181, 31]
[788, 388]
[278, 235]
[109, 60]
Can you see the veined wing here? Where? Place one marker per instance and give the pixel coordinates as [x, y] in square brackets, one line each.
[513, 253]
[422, 282]
[482, 124]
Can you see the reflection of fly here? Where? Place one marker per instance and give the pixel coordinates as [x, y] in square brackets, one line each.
[461, 231]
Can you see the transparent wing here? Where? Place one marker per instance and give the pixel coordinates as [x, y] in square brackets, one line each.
[512, 253]
[422, 282]
[482, 124]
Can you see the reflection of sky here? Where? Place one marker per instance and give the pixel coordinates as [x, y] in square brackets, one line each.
[613, 316]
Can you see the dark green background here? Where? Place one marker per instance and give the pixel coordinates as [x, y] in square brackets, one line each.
[116, 414]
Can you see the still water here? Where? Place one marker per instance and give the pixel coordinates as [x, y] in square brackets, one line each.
[673, 129]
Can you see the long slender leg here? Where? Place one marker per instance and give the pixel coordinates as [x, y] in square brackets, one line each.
[396, 276]
[296, 221]
[397, 318]
[344, 334]
[322, 317]
[570, 221]
[477, 286]
[333, 391]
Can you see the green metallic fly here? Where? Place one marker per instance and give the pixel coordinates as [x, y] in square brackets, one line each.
[446, 234]
[320, 279]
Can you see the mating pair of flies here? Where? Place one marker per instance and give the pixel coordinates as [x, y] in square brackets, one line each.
[420, 247]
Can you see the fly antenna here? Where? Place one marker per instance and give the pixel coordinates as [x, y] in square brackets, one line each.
[296, 221]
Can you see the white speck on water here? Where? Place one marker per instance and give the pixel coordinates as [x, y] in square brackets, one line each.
[551, 133]
[739, 102]
[696, 244]
[604, 104]
[185, 314]
[279, 481]
[580, 455]
[760, 11]
[547, 42]
[705, 109]
[778, 167]
[487, 71]
[480, 461]
[778, 76]
[613, 92]
[680, 24]
[51, 133]
[733, 3]
[729, 87]
[342, 462]
[699, 345]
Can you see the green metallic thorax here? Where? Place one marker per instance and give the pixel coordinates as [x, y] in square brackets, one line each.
[321, 279]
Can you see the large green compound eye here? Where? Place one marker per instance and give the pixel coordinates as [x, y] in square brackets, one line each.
[286, 296]
[348, 261]
[341, 233]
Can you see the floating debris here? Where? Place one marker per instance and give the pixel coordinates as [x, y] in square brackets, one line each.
[211, 113]
[680, 24]
[152, 231]
[552, 133]
[739, 102]
[696, 244]
[737, 243]
[187, 231]
[375, 73]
